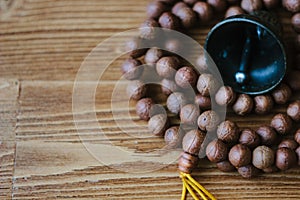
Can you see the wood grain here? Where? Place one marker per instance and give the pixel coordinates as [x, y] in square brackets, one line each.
[43, 155]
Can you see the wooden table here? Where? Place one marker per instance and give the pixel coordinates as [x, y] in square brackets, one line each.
[42, 45]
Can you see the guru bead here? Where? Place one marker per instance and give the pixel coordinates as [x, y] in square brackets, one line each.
[192, 141]
[189, 114]
[285, 158]
[216, 151]
[249, 138]
[169, 21]
[132, 69]
[225, 96]
[153, 55]
[243, 105]
[251, 5]
[143, 108]
[228, 132]
[187, 162]
[263, 104]
[136, 89]
[239, 155]
[267, 134]
[186, 77]
[207, 85]
[208, 120]
[293, 110]
[176, 101]
[166, 66]
[173, 137]
[158, 124]
[282, 123]
[282, 94]
[263, 157]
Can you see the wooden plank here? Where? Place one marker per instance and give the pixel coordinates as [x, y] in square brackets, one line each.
[9, 91]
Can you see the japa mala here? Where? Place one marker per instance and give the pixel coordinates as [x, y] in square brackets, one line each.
[268, 149]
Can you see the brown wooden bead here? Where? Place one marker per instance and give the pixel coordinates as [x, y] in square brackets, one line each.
[166, 66]
[248, 171]
[216, 151]
[148, 29]
[234, 10]
[187, 17]
[267, 134]
[293, 110]
[251, 5]
[263, 104]
[228, 132]
[168, 86]
[174, 46]
[285, 158]
[153, 55]
[189, 114]
[158, 124]
[291, 5]
[192, 141]
[225, 96]
[249, 138]
[169, 21]
[263, 157]
[282, 123]
[297, 136]
[204, 11]
[176, 101]
[203, 102]
[270, 4]
[218, 5]
[288, 143]
[143, 108]
[201, 64]
[156, 9]
[225, 166]
[282, 94]
[132, 69]
[187, 162]
[178, 6]
[207, 85]
[173, 137]
[208, 121]
[186, 77]
[135, 47]
[239, 155]
[298, 154]
[243, 105]
[136, 89]
[296, 22]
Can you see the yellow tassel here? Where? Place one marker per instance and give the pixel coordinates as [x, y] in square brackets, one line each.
[189, 184]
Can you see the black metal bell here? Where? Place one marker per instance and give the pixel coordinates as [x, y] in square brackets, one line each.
[248, 52]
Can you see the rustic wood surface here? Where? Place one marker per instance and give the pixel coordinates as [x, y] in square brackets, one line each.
[42, 45]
